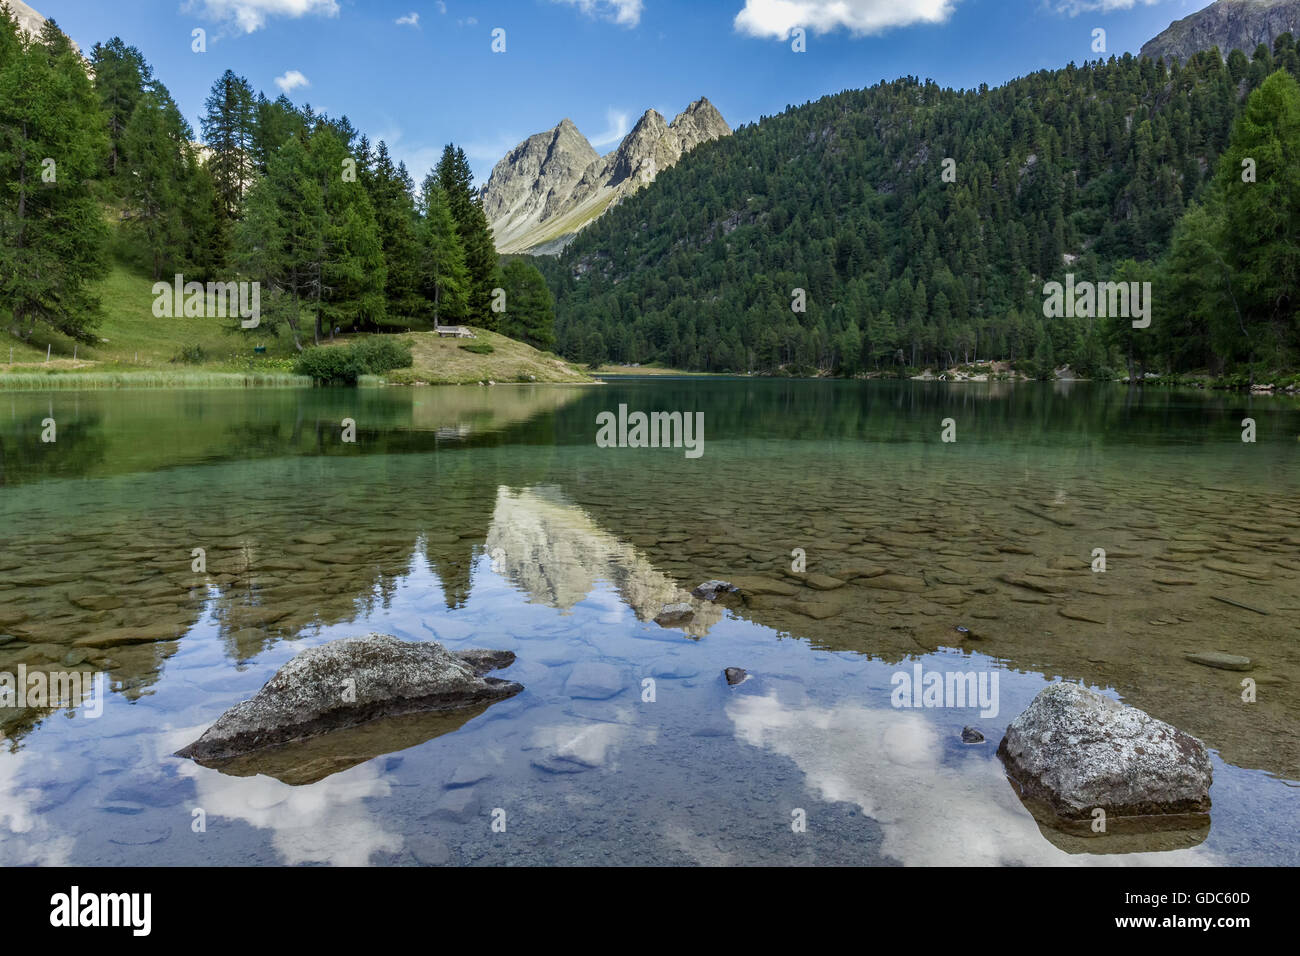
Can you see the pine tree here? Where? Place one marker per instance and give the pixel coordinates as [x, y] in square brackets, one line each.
[159, 172]
[281, 242]
[457, 181]
[121, 78]
[353, 272]
[442, 276]
[390, 191]
[52, 141]
[228, 131]
[529, 314]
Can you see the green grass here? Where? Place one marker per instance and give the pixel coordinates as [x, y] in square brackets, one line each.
[136, 349]
[130, 336]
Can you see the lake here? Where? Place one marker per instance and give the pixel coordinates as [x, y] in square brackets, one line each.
[489, 517]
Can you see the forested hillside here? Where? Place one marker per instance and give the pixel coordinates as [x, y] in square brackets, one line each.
[1083, 170]
[99, 170]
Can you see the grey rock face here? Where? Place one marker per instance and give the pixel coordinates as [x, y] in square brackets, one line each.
[554, 184]
[1076, 750]
[350, 682]
[1229, 25]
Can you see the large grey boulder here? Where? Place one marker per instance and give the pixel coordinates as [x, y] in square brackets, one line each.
[1075, 750]
[350, 682]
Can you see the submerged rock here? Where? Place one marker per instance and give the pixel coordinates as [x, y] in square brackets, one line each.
[735, 675]
[350, 682]
[969, 735]
[674, 614]
[1224, 662]
[1074, 751]
[712, 590]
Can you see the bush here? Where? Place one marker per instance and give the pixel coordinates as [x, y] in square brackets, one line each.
[329, 365]
[345, 364]
[191, 355]
[480, 348]
[378, 354]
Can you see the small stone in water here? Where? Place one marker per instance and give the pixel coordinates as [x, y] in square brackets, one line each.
[735, 675]
[674, 614]
[969, 735]
[1224, 662]
[711, 590]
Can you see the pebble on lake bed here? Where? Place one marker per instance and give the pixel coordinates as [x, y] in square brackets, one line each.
[712, 590]
[1224, 662]
[674, 614]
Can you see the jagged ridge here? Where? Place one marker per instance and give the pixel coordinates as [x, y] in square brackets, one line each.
[554, 183]
[1227, 24]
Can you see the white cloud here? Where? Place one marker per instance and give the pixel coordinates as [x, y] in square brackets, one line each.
[442, 7]
[410, 20]
[776, 18]
[251, 15]
[290, 81]
[1076, 7]
[623, 12]
[467, 22]
[618, 127]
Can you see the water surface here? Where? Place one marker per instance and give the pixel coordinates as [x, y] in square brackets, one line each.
[487, 517]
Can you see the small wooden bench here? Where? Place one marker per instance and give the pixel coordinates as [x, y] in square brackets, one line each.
[455, 331]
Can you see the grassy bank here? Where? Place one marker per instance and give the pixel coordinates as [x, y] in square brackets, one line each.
[135, 349]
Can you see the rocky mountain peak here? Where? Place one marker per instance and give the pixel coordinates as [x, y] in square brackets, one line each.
[1226, 24]
[553, 184]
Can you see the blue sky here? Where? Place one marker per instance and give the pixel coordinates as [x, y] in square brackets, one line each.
[434, 78]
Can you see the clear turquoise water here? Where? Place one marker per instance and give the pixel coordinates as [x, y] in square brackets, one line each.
[489, 518]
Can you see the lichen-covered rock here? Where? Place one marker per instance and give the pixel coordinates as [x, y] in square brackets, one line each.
[350, 682]
[1075, 750]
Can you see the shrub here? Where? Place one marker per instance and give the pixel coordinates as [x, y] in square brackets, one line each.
[345, 364]
[378, 354]
[191, 355]
[329, 366]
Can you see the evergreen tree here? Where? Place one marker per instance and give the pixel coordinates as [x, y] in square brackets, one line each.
[282, 243]
[160, 174]
[442, 276]
[52, 140]
[390, 190]
[228, 131]
[121, 78]
[455, 178]
[529, 314]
